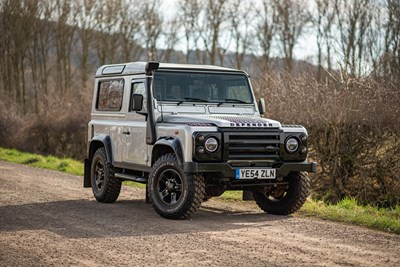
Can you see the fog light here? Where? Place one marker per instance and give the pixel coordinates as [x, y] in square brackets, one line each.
[200, 150]
[303, 150]
[303, 138]
[200, 137]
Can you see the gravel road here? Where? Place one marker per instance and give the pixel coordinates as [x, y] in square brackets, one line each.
[48, 219]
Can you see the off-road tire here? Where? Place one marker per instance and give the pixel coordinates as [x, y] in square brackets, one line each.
[291, 201]
[105, 186]
[186, 201]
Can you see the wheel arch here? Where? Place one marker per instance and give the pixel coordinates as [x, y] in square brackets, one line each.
[167, 145]
[97, 142]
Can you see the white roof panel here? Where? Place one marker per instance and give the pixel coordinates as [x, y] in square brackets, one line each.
[139, 68]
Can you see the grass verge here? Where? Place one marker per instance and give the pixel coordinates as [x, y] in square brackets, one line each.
[347, 210]
[67, 165]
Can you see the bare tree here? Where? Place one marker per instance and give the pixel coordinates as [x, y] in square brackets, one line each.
[130, 14]
[45, 37]
[8, 8]
[189, 12]
[392, 40]
[353, 19]
[87, 23]
[374, 41]
[171, 38]
[108, 26]
[25, 43]
[323, 19]
[215, 14]
[266, 28]
[65, 16]
[14, 47]
[33, 52]
[152, 27]
[292, 17]
[241, 15]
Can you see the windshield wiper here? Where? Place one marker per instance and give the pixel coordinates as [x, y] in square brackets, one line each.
[232, 100]
[192, 99]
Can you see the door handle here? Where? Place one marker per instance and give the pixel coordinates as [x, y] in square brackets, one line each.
[127, 133]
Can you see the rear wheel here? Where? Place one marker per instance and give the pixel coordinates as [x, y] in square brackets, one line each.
[105, 186]
[174, 193]
[283, 201]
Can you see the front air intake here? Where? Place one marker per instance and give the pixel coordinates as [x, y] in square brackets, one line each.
[252, 145]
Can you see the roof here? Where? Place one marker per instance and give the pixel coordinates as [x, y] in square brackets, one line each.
[139, 68]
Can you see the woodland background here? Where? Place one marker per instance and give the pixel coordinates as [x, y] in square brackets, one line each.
[347, 94]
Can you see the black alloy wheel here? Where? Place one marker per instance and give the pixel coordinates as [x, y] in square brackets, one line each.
[105, 186]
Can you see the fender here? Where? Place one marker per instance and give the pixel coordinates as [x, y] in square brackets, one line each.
[100, 140]
[105, 140]
[172, 143]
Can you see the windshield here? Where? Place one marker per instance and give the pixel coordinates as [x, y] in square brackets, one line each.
[201, 87]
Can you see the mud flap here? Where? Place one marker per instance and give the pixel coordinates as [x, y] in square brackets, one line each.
[148, 199]
[86, 177]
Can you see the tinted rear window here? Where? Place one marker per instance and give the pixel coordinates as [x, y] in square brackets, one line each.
[110, 95]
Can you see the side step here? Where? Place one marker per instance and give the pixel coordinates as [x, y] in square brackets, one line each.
[130, 177]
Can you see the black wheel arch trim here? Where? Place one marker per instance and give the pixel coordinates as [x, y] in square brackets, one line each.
[106, 141]
[100, 140]
[171, 142]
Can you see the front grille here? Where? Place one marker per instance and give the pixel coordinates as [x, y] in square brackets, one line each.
[252, 146]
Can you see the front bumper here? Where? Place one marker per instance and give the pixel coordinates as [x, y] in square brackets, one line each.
[229, 171]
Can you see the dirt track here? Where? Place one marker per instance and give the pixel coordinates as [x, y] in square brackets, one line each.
[47, 218]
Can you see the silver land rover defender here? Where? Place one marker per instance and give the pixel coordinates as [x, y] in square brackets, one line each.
[190, 132]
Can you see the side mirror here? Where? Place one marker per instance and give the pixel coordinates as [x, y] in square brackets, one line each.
[261, 106]
[137, 102]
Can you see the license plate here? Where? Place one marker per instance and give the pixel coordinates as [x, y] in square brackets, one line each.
[255, 173]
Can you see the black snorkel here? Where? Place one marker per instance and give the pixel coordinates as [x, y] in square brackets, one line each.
[151, 134]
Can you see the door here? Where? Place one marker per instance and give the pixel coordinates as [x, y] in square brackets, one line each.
[136, 149]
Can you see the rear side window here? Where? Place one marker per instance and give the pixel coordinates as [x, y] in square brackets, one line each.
[110, 95]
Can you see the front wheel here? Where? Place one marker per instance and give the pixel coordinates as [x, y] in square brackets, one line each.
[285, 201]
[105, 186]
[174, 193]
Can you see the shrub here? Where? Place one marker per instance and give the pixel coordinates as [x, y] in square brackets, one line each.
[353, 127]
[60, 130]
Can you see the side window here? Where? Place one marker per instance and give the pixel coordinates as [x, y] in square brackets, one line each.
[110, 95]
[138, 88]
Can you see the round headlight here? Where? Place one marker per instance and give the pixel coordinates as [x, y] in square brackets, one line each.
[292, 145]
[211, 144]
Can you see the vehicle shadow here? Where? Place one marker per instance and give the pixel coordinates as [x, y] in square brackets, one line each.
[89, 219]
